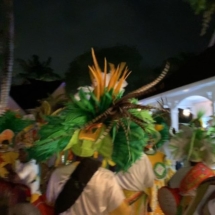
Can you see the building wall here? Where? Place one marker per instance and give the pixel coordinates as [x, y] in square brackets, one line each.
[12, 105]
[203, 106]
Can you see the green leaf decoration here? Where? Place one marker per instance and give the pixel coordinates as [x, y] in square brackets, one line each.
[13, 121]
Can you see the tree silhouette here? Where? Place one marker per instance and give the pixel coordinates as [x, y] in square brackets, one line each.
[206, 8]
[78, 74]
[34, 69]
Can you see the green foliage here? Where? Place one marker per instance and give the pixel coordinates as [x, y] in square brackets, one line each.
[206, 8]
[37, 70]
[200, 6]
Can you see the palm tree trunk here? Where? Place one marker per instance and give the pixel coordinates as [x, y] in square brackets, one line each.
[8, 47]
[212, 41]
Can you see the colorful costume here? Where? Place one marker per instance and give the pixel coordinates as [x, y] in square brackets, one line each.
[100, 121]
[11, 124]
[194, 144]
[158, 160]
[135, 183]
[29, 175]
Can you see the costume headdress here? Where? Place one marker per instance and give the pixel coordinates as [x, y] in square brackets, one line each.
[162, 124]
[11, 123]
[49, 106]
[194, 143]
[101, 120]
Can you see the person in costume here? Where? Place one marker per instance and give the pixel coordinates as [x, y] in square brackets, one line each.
[101, 195]
[26, 172]
[102, 121]
[161, 167]
[135, 182]
[194, 144]
[8, 156]
[11, 124]
[23, 209]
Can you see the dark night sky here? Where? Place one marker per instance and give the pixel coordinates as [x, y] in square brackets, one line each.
[64, 29]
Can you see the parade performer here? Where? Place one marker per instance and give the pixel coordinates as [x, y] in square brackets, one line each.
[26, 172]
[140, 182]
[103, 121]
[49, 107]
[135, 183]
[160, 164]
[194, 144]
[11, 124]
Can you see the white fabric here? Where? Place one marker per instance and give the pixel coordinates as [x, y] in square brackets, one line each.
[211, 207]
[101, 195]
[175, 181]
[23, 209]
[138, 177]
[58, 178]
[28, 173]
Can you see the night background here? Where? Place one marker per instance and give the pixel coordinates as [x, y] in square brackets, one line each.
[53, 41]
[66, 29]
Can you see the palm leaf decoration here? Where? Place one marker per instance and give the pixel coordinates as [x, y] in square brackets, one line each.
[13, 121]
[102, 120]
[194, 143]
[162, 127]
[161, 123]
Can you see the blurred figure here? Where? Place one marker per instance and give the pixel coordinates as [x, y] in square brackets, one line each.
[102, 195]
[178, 165]
[7, 156]
[135, 182]
[26, 172]
[23, 209]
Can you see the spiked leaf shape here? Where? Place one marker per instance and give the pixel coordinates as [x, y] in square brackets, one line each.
[117, 77]
[124, 129]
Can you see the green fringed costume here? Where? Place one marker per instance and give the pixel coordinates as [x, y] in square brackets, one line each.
[196, 144]
[158, 159]
[13, 121]
[11, 124]
[100, 120]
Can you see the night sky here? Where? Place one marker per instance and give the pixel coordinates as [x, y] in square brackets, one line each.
[64, 29]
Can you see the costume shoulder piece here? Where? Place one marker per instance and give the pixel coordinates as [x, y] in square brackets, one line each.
[11, 124]
[162, 123]
[194, 143]
[100, 119]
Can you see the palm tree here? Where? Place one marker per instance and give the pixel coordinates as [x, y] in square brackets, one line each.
[206, 8]
[34, 69]
[7, 47]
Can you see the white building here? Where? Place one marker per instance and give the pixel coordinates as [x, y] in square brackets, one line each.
[198, 96]
[12, 105]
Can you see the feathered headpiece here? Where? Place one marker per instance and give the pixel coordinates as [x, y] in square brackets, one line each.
[11, 123]
[101, 120]
[162, 125]
[194, 143]
[49, 106]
